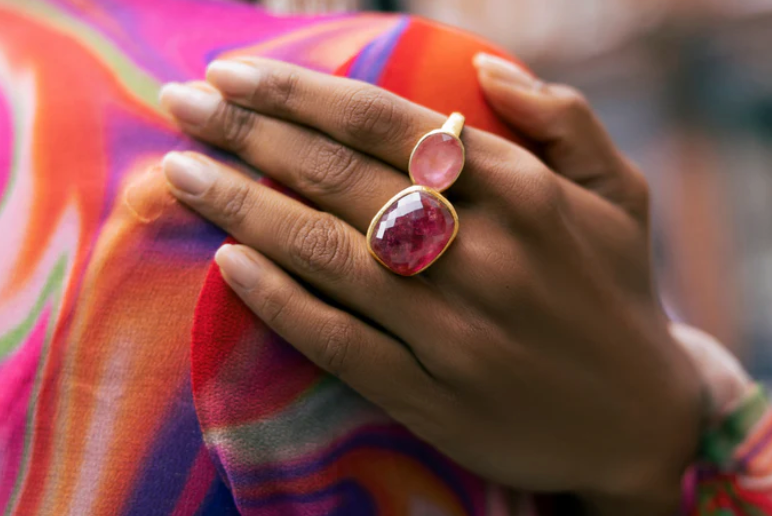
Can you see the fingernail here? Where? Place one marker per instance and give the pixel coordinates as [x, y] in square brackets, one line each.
[189, 104]
[186, 174]
[238, 266]
[502, 69]
[233, 78]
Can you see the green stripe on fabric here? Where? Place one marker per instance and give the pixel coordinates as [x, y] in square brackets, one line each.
[55, 280]
[719, 443]
[14, 337]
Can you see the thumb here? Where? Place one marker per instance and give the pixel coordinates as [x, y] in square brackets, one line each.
[560, 121]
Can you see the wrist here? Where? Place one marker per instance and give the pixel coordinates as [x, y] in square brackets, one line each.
[657, 500]
[625, 508]
[653, 488]
[647, 478]
[730, 408]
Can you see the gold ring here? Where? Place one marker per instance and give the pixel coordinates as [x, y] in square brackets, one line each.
[418, 224]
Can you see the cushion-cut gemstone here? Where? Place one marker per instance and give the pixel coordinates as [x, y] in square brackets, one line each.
[437, 161]
[412, 232]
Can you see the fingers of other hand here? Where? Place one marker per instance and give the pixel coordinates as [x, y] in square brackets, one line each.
[316, 246]
[340, 180]
[558, 117]
[372, 363]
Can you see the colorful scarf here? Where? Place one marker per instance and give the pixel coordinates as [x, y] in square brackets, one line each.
[131, 379]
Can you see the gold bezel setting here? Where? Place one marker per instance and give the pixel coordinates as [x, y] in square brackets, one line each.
[452, 127]
[407, 191]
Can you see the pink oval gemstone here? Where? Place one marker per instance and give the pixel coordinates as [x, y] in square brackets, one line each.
[437, 161]
[412, 232]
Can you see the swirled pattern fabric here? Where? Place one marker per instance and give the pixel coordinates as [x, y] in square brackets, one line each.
[131, 380]
[741, 482]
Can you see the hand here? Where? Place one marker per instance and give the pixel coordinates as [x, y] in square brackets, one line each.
[534, 352]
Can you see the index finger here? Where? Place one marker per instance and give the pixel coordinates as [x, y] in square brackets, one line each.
[357, 114]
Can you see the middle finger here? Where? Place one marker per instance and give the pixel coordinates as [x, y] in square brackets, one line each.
[337, 178]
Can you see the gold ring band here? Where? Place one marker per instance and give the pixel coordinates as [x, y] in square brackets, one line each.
[416, 226]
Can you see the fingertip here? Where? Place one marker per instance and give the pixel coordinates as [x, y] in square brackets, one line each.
[508, 101]
[493, 84]
[478, 61]
[191, 103]
[238, 265]
[221, 255]
[234, 78]
[494, 68]
[187, 174]
[167, 94]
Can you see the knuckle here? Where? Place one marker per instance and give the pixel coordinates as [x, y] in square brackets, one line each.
[532, 192]
[571, 108]
[273, 305]
[370, 115]
[541, 199]
[328, 169]
[640, 191]
[236, 124]
[280, 91]
[546, 199]
[320, 245]
[337, 339]
[237, 205]
[572, 102]
[467, 363]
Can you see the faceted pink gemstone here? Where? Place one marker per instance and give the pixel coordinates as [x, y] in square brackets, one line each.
[437, 161]
[412, 232]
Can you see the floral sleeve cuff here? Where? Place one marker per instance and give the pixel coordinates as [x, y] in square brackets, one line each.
[733, 475]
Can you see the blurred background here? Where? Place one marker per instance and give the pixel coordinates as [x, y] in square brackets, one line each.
[685, 88]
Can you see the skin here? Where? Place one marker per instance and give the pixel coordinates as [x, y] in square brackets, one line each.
[534, 351]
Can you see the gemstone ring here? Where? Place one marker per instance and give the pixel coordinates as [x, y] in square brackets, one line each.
[416, 226]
